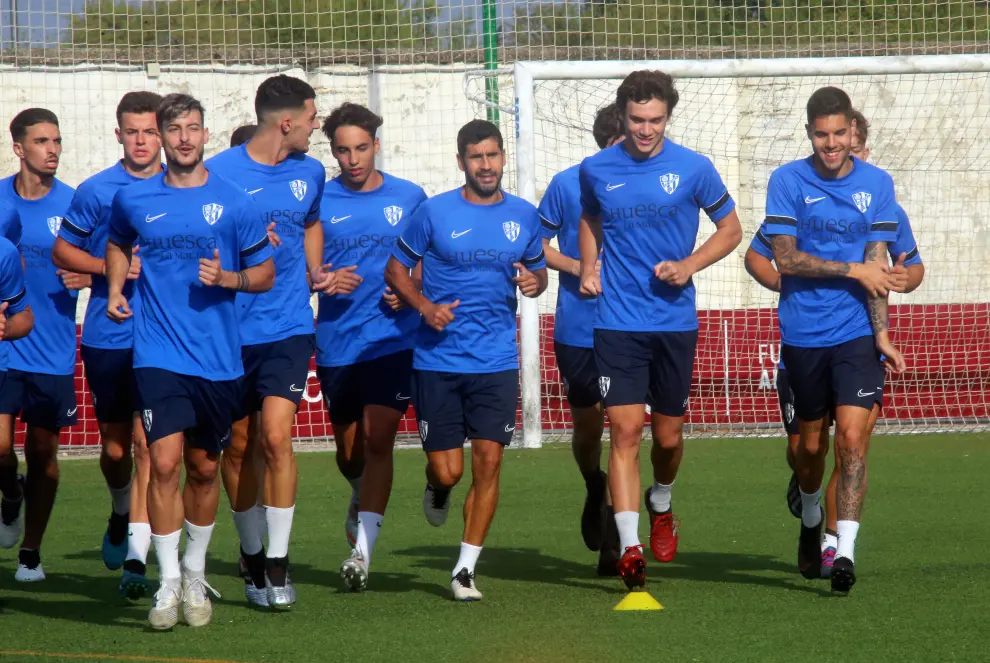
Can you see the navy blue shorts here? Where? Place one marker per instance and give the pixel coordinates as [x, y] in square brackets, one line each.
[646, 367]
[453, 407]
[822, 378]
[110, 376]
[174, 403]
[384, 381]
[579, 372]
[786, 398]
[46, 401]
[279, 368]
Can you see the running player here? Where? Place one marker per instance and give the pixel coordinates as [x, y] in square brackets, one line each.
[842, 212]
[106, 348]
[574, 344]
[189, 224]
[40, 377]
[477, 244]
[641, 201]
[276, 328]
[363, 346]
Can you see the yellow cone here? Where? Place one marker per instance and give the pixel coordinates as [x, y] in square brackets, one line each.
[638, 601]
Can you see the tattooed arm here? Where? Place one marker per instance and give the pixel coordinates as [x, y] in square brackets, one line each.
[874, 277]
[876, 254]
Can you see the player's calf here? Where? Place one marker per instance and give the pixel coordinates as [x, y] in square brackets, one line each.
[116, 463]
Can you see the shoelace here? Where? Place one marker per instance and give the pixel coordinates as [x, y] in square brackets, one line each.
[203, 586]
[438, 497]
[466, 580]
[161, 596]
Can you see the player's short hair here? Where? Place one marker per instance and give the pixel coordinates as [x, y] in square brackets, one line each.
[28, 118]
[242, 134]
[176, 105]
[280, 93]
[827, 101]
[862, 127]
[475, 132]
[351, 115]
[608, 125]
[138, 102]
[644, 85]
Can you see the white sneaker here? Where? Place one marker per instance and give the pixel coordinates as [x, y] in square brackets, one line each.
[197, 609]
[354, 572]
[434, 508]
[351, 523]
[464, 587]
[165, 612]
[25, 574]
[10, 534]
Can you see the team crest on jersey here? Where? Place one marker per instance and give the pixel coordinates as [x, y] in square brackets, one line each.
[788, 413]
[212, 212]
[862, 200]
[147, 418]
[298, 188]
[393, 214]
[424, 428]
[54, 223]
[603, 384]
[669, 182]
[511, 230]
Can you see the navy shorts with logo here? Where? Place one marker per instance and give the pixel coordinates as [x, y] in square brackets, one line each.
[279, 368]
[43, 400]
[384, 381]
[580, 374]
[846, 374]
[453, 407]
[110, 376]
[173, 403]
[646, 367]
[786, 398]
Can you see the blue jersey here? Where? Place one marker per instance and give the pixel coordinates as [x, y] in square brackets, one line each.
[360, 228]
[468, 251]
[184, 326]
[288, 195]
[832, 219]
[85, 227]
[560, 213]
[904, 242]
[10, 223]
[12, 290]
[649, 211]
[51, 347]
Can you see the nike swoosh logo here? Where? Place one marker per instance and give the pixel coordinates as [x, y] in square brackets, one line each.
[863, 394]
[336, 220]
[455, 235]
[809, 199]
[610, 187]
[400, 397]
[149, 218]
[251, 193]
[72, 411]
[509, 429]
[294, 388]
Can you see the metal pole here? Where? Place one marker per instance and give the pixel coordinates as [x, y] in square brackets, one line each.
[489, 23]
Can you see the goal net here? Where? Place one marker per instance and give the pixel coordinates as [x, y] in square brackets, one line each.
[930, 131]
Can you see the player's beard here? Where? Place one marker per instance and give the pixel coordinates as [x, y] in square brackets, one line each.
[483, 192]
[177, 167]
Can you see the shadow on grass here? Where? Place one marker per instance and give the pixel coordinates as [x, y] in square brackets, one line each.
[76, 598]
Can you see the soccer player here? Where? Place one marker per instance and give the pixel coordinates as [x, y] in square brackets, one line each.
[364, 346]
[477, 244]
[276, 328]
[106, 348]
[242, 134]
[192, 227]
[641, 201]
[40, 377]
[574, 343]
[841, 212]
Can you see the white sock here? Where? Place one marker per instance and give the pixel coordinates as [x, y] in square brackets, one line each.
[660, 496]
[830, 541]
[811, 510]
[627, 522]
[847, 529]
[138, 541]
[167, 552]
[355, 489]
[121, 498]
[197, 541]
[279, 529]
[369, 526]
[259, 512]
[248, 530]
[467, 560]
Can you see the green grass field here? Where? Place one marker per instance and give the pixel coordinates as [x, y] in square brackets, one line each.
[733, 593]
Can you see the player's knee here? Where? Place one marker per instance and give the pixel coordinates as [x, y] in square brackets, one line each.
[626, 436]
[447, 475]
[116, 451]
[670, 440]
[277, 447]
[166, 468]
[202, 470]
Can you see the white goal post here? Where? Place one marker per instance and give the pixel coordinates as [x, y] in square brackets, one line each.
[930, 118]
